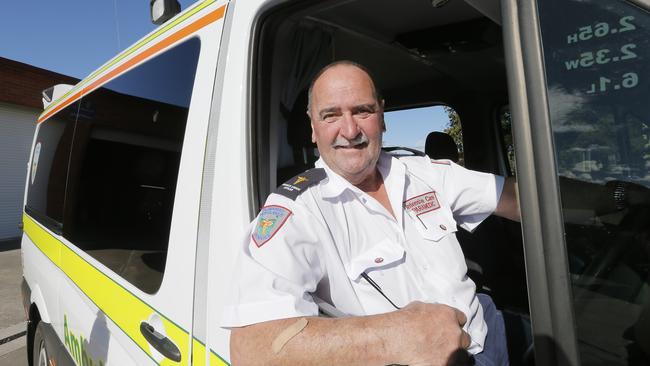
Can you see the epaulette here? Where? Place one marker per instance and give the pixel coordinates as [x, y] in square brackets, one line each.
[298, 184]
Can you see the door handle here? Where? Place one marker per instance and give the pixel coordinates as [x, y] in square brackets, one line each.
[161, 343]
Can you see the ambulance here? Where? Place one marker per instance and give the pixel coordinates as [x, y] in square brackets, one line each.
[144, 176]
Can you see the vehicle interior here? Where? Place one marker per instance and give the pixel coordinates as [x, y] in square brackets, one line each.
[421, 53]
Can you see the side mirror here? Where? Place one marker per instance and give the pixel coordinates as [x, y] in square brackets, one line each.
[54, 92]
[163, 10]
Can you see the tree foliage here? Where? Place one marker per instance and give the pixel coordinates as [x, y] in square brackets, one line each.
[453, 129]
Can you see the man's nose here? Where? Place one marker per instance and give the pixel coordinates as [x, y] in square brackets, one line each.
[349, 127]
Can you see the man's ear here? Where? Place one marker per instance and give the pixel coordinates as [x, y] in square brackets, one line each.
[311, 123]
[381, 115]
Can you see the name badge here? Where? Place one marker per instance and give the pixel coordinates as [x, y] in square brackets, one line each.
[422, 204]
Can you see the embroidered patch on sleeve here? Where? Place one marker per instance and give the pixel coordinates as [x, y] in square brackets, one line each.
[269, 221]
[423, 203]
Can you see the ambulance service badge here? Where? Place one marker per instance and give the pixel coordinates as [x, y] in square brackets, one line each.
[269, 221]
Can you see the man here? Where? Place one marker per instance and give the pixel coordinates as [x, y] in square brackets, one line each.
[370, 234]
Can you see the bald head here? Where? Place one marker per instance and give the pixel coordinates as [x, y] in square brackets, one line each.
[338, 64]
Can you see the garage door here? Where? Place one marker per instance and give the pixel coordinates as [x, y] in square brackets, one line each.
[16, 132]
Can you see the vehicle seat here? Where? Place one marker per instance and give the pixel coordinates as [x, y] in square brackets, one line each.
[440, 145]
[299, 138]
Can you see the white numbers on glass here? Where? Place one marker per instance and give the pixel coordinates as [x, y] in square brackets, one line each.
[585, 33]
[601, 29]
[600, 56]
[626, 23]
[630, 80]
[627, 54]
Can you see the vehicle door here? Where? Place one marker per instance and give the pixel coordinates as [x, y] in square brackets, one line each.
[579, 81]
[133, 197]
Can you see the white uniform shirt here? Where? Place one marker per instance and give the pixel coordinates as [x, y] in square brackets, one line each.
[333, 232]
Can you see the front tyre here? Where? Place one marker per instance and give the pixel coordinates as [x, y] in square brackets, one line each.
[40, 354]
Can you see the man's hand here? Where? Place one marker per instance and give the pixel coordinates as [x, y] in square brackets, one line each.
[418, 334]
[432, 334]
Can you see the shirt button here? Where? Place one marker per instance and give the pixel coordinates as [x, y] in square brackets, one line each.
[379, 260]
[443, 227]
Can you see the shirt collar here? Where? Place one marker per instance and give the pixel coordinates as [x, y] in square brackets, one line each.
[335, 185]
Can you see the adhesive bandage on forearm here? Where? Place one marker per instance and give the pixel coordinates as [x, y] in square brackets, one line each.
[286, 335]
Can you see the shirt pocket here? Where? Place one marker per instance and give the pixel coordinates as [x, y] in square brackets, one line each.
[386, 253]
[435, 225]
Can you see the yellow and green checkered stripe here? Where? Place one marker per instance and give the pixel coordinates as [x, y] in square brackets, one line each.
[119, 305]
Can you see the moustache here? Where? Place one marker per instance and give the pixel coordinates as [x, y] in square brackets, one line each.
[343, 142]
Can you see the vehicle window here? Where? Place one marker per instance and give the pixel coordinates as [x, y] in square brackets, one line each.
[598, 79]
[411, 127]
[49, 169]
[124, 166]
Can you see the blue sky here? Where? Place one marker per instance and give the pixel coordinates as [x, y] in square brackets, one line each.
[75, 37]
[410, 127]
[72, 37]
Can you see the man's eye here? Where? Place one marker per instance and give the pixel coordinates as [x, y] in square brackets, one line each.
[363, 113]
[330, 117]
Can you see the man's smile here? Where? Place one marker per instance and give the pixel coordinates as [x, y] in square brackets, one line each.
[360, 146]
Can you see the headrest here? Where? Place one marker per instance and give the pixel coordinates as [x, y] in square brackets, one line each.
[439, 145]
[299, 125]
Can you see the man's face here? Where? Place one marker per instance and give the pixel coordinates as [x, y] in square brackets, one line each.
[347, 122]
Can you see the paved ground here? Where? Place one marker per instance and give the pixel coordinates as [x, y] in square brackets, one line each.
[15, 357]
[11, 308]
[12, 315]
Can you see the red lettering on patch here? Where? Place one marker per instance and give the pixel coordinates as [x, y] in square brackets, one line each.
[423, 203]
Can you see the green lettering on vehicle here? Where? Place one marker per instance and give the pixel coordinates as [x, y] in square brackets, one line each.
[77, 346]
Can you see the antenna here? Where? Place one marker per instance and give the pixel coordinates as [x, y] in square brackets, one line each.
[117, 26]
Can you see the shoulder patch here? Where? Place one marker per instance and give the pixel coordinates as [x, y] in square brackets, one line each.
[269, 221]
[298, 184]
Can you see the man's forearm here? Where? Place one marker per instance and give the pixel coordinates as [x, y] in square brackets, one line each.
[324, 341]
[418, 334]
[508, 205]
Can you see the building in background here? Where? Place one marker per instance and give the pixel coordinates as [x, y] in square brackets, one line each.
[20, 104]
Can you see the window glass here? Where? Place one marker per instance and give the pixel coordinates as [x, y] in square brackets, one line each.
[410, 128]
[124, 166]
[49, 168]
[598, 79]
